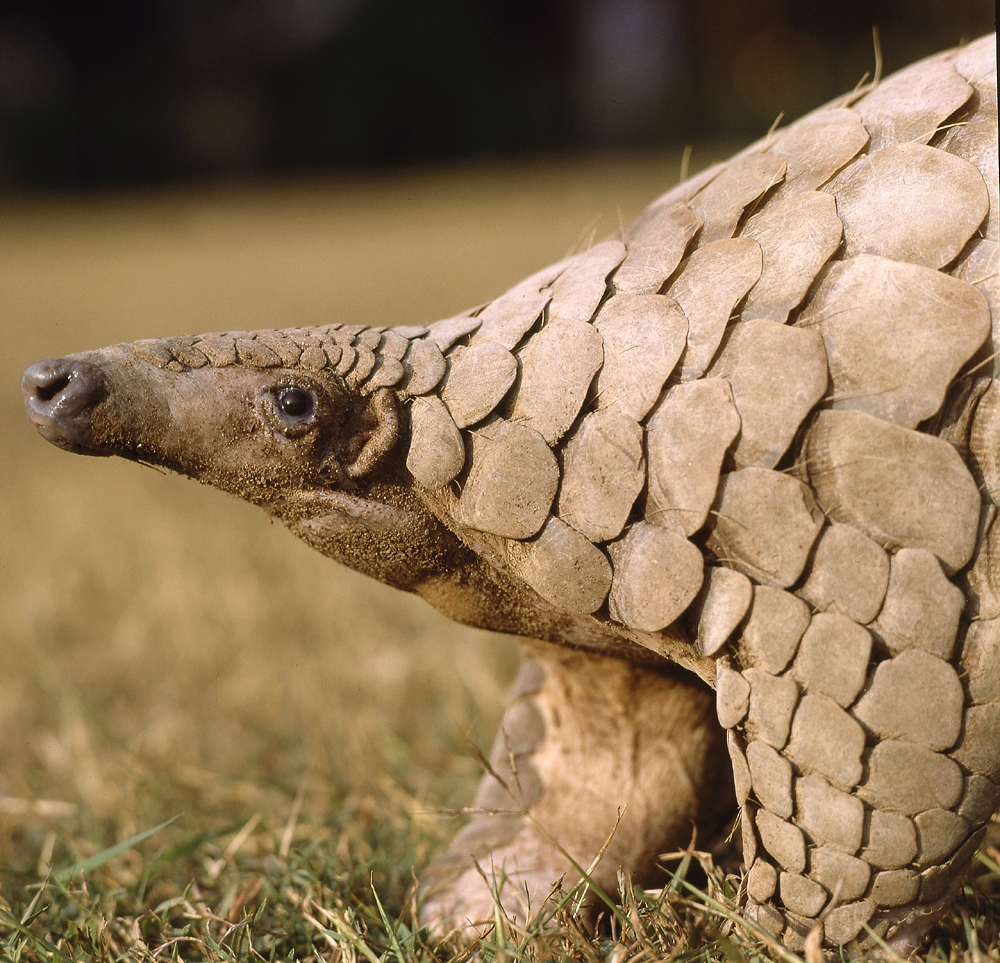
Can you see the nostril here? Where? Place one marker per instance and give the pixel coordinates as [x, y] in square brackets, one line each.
[46, 392]
[62, 388]
[59, 399]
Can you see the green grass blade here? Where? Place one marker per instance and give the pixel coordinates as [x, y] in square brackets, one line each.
[106, 855]
[389, 928]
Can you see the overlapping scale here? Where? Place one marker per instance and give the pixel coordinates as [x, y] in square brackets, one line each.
[896, 335]
[909, 105]
[944, 197]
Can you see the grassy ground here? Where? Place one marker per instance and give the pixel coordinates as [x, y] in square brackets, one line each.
[166, 653]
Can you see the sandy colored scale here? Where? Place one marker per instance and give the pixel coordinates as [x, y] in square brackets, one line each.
[890, 840]
[828, 815]
[657, 576]
[909, 105]
[557, 366]
[283, 346]
[221, 352]
[801, 894]
[983, 434]
[833, 657]
[977, 59]
[506, 320]
[563, 567]
[679, 194]
[941, 832]
[155, 352]
[771, 636]
[980, 800]
[437, 452]
[510, 316]
[580, 288]
[512, 481]
[741, 771]
[424, 367]
[410, 331]
[520, 791]
[345, 362]
[192, 357]
[978, 748]
[826, 740]
[732, 695]
[478, 377]
[914, 696]
[894, 887]
[286, 349]
[523, 727]
[748, 832]
[710, 285]
[922, 608]
[762, 880]
[314, 358]
[847, 921]
[256, 354]
[364, 365]
[445, 333]
[980, 266]
[370, 338]
[797, 235]
[687, 437]
[644, 335]
[895, 334]
[387, 374]
[340, 358]
[909, 779]
[766, 917]
[722, 202]
[901, 488]
[656, 243]
[771, 777]
[603, 471]
[772, 398]
[944, 197]
[835, 869]
[764, 525]
[782, 840]
[975, 139]
[848, 574]
[797, 930]
[955, 868]
[722, 603]
[772, 703]
[981, 661]
[393, 345]
[816, 147]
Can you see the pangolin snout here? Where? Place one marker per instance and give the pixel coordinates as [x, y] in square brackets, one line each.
[59, 398]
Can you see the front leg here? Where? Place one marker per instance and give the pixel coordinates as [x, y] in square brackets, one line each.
[590, 736]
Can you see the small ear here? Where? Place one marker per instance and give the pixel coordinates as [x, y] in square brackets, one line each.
[383, 410]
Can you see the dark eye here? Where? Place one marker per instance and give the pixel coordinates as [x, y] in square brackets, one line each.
[295, 403]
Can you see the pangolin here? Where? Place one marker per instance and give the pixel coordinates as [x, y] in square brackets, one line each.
[749, 445]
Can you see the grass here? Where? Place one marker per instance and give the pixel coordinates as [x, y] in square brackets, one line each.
[168, 654]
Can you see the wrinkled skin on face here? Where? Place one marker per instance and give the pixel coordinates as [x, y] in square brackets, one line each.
[324, 460]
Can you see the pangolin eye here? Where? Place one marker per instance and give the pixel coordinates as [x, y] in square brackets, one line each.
[295, 403]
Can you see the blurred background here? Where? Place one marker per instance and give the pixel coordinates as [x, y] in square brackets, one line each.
[172, 166]
[123, 92]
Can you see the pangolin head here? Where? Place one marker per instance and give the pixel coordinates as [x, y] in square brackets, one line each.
[262, 415]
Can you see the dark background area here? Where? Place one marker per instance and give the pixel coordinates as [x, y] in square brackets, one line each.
[106, 93]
